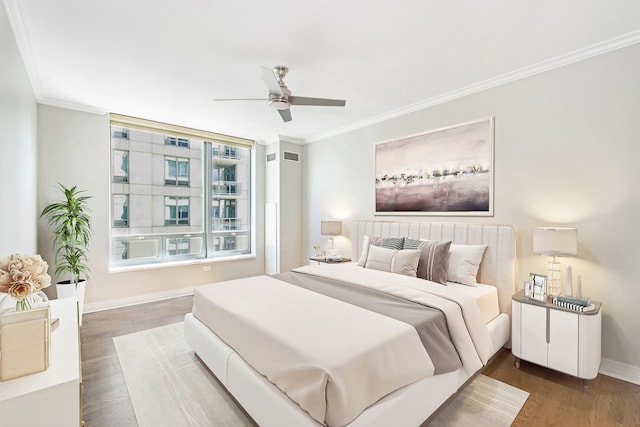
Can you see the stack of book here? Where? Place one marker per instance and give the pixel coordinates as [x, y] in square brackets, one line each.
[581, 304]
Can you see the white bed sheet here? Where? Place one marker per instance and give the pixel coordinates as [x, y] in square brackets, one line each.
[485, 295]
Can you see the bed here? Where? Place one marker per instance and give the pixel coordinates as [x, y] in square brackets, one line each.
[326, 359]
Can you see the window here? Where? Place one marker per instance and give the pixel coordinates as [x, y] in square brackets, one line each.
[223, 214]
[178, 194]
[117, 132]
[224, 180]
[120, 210]
[120, 161]
[176, 210]
[180, 142]
[176, 171]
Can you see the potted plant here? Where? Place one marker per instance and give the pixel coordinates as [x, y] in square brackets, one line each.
[71, 224]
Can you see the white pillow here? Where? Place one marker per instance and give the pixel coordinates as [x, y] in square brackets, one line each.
[464, 261]
[386, 242]
[365, 251]
[403, 261]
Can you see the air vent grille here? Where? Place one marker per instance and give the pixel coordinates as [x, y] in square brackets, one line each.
[293, 157]
[271, 157]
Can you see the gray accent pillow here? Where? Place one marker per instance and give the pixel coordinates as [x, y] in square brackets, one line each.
[434, 259]
[392, 243]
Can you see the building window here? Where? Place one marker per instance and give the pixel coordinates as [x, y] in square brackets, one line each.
[180, 142]
[118, 132]
[176, 210]
[176, 171]
[120, 210]
[177, 198]
[120, 161]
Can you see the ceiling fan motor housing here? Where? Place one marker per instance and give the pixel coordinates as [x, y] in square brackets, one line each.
[279, 103]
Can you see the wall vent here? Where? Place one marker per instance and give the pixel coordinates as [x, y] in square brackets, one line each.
[288, 155]
[271, 157]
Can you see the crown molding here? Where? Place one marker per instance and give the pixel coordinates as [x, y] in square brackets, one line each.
[597, 49]
[73, 106]
[24, 46]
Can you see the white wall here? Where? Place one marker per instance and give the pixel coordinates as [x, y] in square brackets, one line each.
[566, 153]
[18, 122]
[284, 190]
[291, 254]
[74, 149]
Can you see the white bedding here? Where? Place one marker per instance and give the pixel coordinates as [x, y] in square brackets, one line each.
[312, 357]
[334, 360]
[407, 406]
[463, 315]
[485, 295]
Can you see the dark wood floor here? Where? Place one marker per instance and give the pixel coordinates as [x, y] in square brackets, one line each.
[105, 401]
[556, 399]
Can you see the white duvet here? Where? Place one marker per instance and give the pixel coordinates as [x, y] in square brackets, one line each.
[332, 358]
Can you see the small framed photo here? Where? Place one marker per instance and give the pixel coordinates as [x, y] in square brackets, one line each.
[528, 290]
[537, 287]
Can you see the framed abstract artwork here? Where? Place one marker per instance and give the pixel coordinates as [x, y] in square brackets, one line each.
[446, 171]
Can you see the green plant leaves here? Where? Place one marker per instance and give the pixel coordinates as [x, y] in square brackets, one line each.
[71, 224]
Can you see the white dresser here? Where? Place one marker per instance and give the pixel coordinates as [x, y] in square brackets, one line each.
[561, 339]
[51, 398]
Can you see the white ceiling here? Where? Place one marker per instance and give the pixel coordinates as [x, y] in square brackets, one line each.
[166, 60]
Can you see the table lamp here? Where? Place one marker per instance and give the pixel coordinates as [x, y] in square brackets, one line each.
[331, 228]
[555, 242]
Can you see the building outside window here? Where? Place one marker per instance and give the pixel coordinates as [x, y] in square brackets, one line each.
[120, 210]
[178, 193]
[120, 160]
[176, 210]
[176, 171]
[180, 142]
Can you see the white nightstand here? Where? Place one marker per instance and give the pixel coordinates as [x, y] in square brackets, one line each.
[561, 339]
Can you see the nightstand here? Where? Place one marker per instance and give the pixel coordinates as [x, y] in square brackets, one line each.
[561, 339]
[328, 261]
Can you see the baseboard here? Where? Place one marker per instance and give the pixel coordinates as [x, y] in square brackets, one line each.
[621, 371]
[135, 300]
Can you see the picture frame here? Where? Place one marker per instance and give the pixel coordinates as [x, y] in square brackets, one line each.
[447, 171]
[537, 287]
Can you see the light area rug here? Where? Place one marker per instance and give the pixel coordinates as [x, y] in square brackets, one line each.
[169, 386]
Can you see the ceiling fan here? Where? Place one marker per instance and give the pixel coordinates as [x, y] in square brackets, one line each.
[280, 96]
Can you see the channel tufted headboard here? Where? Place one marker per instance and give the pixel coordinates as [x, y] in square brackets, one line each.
[498, 267]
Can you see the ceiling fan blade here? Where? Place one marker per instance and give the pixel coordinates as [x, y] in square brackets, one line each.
[241, 99]
[301, 100]
[285, 114]
[271, 81]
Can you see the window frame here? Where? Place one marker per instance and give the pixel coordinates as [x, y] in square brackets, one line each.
[166, 249]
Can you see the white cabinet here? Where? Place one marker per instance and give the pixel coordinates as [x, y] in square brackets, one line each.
[560, 339]
[50, 398]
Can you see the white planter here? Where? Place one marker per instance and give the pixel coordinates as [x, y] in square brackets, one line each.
[70, 290]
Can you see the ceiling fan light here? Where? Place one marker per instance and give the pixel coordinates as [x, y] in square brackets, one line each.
[279, 103]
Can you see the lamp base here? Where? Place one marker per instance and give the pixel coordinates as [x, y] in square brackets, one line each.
[554, 285]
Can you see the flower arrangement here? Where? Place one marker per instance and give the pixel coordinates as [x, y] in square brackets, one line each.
[22, 276]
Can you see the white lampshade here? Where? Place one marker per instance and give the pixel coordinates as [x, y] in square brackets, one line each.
[330, 228]
[554, 241]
